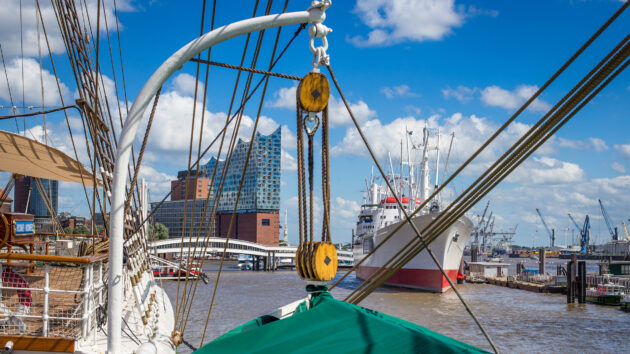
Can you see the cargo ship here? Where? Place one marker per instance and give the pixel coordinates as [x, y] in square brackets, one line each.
[380, 214]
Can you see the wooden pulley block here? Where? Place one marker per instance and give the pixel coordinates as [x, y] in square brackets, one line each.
[299, 268]
[324, 261]
[306, 260]
[314, 92]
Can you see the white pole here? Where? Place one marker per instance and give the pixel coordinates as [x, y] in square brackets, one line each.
[127, 136]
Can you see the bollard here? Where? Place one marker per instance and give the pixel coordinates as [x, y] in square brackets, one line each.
[570, 297]
[582, 282]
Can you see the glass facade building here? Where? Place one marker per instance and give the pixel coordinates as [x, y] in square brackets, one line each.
[261, 189]
[36, 204]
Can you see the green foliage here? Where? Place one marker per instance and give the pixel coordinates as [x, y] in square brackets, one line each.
[81, 230]
[99, 229]
[68, 230]
[158, 231]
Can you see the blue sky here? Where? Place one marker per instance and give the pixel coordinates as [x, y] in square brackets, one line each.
[460, 66]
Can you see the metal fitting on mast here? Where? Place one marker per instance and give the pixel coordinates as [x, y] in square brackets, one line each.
[319, 30]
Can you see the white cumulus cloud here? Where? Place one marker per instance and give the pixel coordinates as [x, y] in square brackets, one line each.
[32, 88]
[596, 144]
[500, 97]
[400, 91]
[461, 93]
[618, 167]
[395, 21]
[624, 149]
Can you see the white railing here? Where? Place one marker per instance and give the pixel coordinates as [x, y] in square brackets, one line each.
[52, 298]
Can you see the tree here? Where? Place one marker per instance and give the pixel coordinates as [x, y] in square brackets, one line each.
[99, 229]
[81, 230]
[158, 231]
[68, 230]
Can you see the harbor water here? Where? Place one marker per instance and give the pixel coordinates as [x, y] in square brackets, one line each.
[518, 321]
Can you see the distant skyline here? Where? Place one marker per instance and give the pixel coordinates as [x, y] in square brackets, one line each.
[461, 66]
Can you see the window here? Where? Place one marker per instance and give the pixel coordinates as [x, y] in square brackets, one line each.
[265, 222]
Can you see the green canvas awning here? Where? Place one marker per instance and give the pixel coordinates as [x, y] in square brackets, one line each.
[333, 326]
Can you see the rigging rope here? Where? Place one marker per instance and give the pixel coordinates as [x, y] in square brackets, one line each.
[9, 87]
[187, 178]
[236, 67]
[134, 180]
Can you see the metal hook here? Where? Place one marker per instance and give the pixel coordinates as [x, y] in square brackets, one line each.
[313, 120]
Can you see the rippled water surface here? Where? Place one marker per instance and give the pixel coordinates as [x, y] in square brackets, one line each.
[517, 320]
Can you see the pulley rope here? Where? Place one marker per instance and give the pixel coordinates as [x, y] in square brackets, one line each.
[459, 204]
[494, 136]
[406, 215]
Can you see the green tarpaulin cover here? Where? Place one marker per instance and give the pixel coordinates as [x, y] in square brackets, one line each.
[333, 326]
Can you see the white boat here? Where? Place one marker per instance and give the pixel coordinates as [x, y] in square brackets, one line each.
[381, 215]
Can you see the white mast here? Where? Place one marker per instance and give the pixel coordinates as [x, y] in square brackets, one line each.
[286, 230]
[425, 166]
[437, 159]
[411, 169]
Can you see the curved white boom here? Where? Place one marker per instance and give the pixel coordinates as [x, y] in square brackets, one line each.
[159, 77]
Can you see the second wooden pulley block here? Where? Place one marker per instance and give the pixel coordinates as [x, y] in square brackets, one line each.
[313, 92]
[316, 261]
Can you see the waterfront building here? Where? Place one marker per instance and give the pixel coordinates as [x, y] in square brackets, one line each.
[257, 218]
[68, 220]
[27, 194]
[44, 225]
[257, 214]
[198, 186]
[171, 214]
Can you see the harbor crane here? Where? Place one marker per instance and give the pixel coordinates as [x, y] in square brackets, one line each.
[613, 231]
[584, 232]
[552, 232]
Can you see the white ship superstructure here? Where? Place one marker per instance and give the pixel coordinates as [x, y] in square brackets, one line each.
[381, 214]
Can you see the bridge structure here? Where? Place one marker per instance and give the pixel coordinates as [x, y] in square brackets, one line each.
[270, 255]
